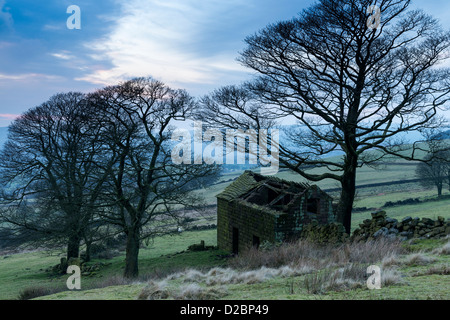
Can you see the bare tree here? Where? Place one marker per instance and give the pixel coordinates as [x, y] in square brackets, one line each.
[146, 187]
[237, 108]
[435, 172]
[352, 89]
[49, 172]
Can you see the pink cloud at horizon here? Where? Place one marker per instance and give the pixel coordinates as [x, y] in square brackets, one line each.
[9, 116]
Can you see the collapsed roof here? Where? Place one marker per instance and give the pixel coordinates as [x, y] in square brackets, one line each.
[265, 191]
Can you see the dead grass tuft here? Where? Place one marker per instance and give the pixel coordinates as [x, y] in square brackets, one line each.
[418, 259]
[308, 254]
[444, 250]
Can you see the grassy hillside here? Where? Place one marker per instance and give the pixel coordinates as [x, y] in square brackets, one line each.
[165, 254]
[396, 171]
[415, 271]
[169, 254]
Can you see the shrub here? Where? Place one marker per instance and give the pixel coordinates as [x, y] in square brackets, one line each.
[444, 250]
[154, 291]
[390, 277]
[369, 252]
[314, 283]
[349, 277]
[440, 270]
[328, 233]
[418, 259]
[36, 291]
[313, 255]
[193, 291]
[390, 261]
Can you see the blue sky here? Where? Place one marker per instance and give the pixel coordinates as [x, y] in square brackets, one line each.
[190, 44]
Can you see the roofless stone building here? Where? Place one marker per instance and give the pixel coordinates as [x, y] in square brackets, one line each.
[256, 208]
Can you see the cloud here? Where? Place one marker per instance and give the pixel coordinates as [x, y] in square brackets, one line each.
[63, 55]
[171, 41]
[9, 116]
[28, 76]
[52, 27]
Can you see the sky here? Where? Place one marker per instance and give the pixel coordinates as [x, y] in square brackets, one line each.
[188, 44]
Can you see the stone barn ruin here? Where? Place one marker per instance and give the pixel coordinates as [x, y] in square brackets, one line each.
[256, 208]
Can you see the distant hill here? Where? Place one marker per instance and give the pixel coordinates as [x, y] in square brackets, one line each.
[443, 135]
[411, 137]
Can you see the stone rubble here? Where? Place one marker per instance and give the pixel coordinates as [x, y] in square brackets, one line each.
[382, 226]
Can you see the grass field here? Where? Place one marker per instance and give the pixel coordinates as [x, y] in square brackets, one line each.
[26, 270]
[394, 171]
[428, 278]
[169, 254]
[20, 271]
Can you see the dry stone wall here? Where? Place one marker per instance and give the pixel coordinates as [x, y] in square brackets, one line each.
[382, 226]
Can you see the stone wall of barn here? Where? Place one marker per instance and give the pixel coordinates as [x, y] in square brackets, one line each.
[290, 225]
[251, 223]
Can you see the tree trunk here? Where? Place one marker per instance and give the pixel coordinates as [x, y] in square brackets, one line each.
[73, 246]
[439, 188]
[132, 253]
[88, 250]
[348, 185]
